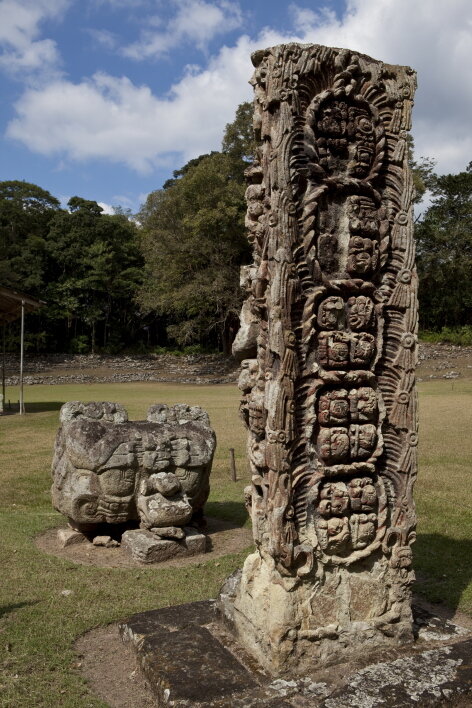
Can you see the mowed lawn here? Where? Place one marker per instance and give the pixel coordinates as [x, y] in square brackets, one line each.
[38, 624]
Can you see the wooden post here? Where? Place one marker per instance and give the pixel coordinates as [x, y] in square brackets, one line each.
[22, 348]
[233, 464]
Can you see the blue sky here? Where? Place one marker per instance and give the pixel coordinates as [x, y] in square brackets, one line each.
[104, 98]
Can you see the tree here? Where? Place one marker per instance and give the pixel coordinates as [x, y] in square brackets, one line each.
[193, 242]
[444, 247]
[422, 171]
[239, 140]
[25, 213]
[186, 168]
[96, 268]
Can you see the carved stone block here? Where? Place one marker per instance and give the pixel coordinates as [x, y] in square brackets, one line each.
[328, 396]
[107, 469]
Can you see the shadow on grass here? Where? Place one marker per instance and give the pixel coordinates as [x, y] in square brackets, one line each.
[41, 406]
[234, 512]
[37, 407]
[6, 609]
[443, 567]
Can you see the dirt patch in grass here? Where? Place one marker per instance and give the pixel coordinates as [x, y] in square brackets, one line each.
[111, 670]
[224, 538]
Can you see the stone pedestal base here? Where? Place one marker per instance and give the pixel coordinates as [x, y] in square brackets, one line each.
[189, 659]
[147, 547]
[291, 625]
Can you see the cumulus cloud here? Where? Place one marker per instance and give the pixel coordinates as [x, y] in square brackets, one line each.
[111, 118]
[305, 19]
[22, 51]
[437, 42]
[107, 208]
[196, 21]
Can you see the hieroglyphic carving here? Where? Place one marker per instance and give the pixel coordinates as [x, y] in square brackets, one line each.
[329, 401]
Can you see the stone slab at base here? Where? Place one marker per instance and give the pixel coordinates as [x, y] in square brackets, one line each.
[147, 547]
[70, 537]
[189, 659]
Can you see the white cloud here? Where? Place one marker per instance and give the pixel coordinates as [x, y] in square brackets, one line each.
[22, 50]
[196, 22]
[304, 19]
[111, 118]
[107, 208]
[104, 37]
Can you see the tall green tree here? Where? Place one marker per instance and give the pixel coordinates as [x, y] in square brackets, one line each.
[239, 140]
[25, 213]
[96, 268]
[422, 170]
[194, 241]
[444, 250]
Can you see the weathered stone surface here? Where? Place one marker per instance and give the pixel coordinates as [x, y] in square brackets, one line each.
[108, 469]
[103, 541]
[178, 413]
[245, 342]
[169, 642]
[69, 537]
[195, 542]
[147, 547]
[186, 664]
[328, 397]
[169, 532]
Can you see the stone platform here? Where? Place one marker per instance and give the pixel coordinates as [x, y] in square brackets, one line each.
[189, 659]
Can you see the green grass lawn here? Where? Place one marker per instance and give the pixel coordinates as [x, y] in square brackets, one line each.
[38, 624]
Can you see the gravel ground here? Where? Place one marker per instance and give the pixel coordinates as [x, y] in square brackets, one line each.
[436, 361]
[60, 369]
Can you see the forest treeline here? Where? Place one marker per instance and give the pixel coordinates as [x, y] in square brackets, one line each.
[169, 275]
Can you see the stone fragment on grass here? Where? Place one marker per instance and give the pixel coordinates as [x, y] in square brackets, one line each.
[146, 547]
[69, 537]
[101, 540]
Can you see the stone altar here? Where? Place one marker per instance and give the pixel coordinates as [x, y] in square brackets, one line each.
[329, 335]
[109, 470]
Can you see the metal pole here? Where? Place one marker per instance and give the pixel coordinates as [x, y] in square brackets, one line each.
[3, 366]
[22, 346]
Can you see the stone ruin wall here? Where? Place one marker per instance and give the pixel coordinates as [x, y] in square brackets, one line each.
[330, 324]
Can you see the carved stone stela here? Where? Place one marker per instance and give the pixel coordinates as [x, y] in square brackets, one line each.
[330, 322]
